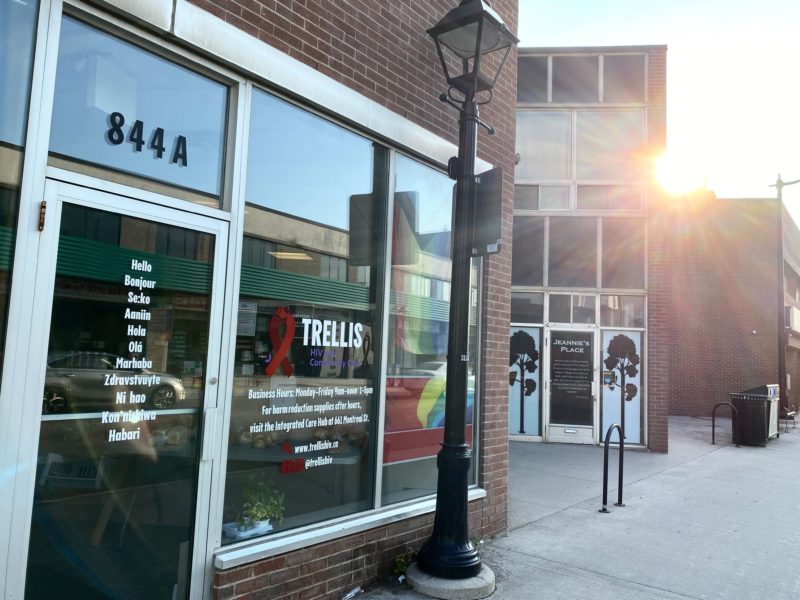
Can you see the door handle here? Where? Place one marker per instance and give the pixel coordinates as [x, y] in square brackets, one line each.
[209, 418]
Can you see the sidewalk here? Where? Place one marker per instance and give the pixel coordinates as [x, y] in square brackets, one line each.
[702, 522]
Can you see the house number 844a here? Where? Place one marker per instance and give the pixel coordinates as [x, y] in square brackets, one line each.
[116, 135]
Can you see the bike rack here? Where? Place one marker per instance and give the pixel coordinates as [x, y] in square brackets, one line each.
[734, 423]
[605, 467]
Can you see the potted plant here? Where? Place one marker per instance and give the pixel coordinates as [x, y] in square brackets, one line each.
[262, 505]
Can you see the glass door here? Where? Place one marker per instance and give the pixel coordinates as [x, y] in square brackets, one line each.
[128, 397]
[571, 373]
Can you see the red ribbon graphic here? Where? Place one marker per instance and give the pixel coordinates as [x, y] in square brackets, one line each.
[280, 346]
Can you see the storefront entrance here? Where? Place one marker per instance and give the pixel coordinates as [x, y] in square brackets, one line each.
[571, 371]
[130, 298]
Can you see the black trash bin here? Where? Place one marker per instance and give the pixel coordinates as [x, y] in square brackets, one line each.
[757, 409]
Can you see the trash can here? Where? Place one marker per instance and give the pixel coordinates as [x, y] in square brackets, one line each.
[757, 411]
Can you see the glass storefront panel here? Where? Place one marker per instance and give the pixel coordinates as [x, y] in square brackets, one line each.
[302, 439]
[418, 332]
[17, 38]
[121, 107]
[116, 481]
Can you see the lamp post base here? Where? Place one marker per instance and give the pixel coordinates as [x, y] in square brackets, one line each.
[449, 553]
[482, 585]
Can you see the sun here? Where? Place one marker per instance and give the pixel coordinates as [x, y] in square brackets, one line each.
[676, 175]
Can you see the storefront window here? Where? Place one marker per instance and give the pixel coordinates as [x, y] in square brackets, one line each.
[17, 37]
[304, 408]
[126, 109]
[527, 307]
[418, 332]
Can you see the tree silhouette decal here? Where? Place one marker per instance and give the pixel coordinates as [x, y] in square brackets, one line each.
[623, 358]
[524, 357]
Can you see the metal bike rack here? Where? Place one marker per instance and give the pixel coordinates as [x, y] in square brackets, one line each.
[605, 467]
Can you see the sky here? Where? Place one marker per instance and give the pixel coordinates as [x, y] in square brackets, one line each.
[733, 80]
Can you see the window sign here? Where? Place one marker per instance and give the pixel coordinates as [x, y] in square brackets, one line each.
[571, 373]
[121, 107]
[622, 382]
[524, 376]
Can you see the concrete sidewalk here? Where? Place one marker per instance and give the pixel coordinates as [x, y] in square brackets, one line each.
[702, 522]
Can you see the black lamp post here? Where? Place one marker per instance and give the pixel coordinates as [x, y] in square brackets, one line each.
[471, 33]
[784, 396]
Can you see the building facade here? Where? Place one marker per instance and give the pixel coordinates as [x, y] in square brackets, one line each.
[590, 302]
[226, 241]
[727, 285]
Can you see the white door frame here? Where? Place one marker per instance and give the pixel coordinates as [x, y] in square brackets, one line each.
[29, 394]
[566, 433]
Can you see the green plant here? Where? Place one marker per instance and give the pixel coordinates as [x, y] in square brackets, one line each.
[261, 502]
[404, 560]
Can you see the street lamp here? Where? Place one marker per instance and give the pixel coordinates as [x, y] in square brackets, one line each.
[473, 36]
[784, 397]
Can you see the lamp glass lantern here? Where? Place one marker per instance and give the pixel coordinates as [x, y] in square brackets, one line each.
[470, 32]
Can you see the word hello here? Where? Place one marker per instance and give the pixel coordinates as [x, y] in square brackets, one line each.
[332, 333]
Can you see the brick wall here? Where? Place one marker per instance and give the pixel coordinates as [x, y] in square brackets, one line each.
[658, 265]
[724, 295]
[381, 50]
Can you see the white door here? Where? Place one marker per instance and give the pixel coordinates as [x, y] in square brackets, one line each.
[125, 363]
[571, 385]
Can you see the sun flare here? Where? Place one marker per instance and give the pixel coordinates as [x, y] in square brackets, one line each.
[678, 176]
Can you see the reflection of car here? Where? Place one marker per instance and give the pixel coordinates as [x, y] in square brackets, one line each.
[89, 380]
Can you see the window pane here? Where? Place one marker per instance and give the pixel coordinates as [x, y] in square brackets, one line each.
[305, 394]
[526, 197]
[609, 197]
[532, 79]
[573, 252]
[583, 309]
[527, 256]
[17, 36]
[592, 197]
[559, 308]
[623, 253]
[624, 197]
[575, 79]
[622, 311]
[543, 142]
[122, 107]
[418, 331]
[301, 164]
[121, 423]
[527, 307]
[623, 78]
[553, 197]
[609, 143]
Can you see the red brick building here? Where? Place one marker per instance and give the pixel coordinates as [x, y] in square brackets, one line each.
[225, 327]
